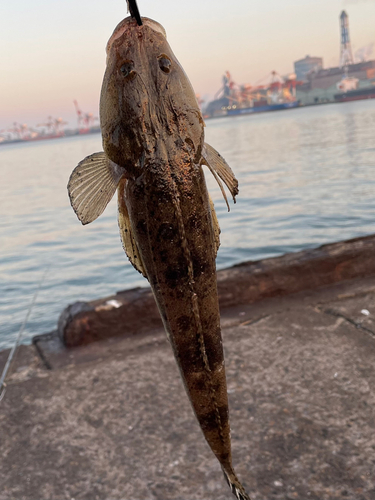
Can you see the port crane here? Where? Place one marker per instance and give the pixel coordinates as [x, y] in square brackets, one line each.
[19, 130]
[54, 126]
[274, 89]
[48, 124]
[85, 120]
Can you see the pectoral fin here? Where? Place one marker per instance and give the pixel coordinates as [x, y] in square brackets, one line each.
[215, 224]
[220, 170]
[92, 185]
[128, 242]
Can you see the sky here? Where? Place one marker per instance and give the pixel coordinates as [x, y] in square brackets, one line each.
[53, 51]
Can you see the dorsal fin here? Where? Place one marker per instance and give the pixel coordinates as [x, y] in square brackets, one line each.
[127, 238]
[91, 186]
[220, 168]
[215, 224]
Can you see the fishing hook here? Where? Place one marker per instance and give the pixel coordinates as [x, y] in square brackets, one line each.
[134, 12]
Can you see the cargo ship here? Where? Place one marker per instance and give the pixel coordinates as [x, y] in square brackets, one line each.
[234, 100]
[262, 108]
[350, 91]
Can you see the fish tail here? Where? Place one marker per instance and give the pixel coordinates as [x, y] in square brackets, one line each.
[234, 484]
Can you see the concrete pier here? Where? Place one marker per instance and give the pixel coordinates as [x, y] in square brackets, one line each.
[111, 420]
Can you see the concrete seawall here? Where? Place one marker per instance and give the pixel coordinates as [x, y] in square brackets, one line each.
[123, 313]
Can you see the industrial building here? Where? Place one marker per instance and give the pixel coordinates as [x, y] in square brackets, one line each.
[307, 65]
[323, 85]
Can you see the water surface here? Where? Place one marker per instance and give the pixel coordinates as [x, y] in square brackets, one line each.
[306, 178]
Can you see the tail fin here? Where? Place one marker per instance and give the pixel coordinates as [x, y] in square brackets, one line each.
[235, 486]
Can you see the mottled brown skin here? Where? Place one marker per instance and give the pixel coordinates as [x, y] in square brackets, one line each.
[157, 137]
[139, 112]
[176, 245]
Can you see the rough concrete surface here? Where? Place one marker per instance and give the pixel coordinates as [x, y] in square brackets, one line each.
[113, 422]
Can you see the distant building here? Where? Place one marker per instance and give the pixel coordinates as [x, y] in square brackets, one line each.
[322, 85]
[307, 65]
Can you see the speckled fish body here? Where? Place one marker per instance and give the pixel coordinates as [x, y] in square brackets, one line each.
[153, 139]
[176, 243]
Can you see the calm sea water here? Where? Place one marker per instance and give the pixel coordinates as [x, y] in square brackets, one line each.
[306, 177]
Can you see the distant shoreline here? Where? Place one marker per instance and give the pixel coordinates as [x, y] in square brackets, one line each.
[45, 137]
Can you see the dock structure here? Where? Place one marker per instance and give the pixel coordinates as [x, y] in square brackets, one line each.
[109, 419]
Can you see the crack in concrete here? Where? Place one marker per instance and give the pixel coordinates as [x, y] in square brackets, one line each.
[345, 296]
[254, 320]
[358, 325]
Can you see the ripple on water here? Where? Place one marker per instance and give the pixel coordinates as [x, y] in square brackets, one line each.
[305, 177]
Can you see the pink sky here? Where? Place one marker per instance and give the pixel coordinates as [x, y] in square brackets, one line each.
[53, 52]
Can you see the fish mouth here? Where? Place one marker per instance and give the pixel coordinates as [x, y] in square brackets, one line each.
[129, 23]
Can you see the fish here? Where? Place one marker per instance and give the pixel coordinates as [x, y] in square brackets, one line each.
[154, 154]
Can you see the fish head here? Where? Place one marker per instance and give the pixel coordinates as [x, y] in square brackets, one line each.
[146, 98]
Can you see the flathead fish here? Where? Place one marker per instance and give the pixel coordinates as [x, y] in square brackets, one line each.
[154, 149]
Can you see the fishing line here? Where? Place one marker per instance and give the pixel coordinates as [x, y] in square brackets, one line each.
[134, 12]
[19, 336]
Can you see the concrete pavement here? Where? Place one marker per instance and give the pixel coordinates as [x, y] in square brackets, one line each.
[111, 420]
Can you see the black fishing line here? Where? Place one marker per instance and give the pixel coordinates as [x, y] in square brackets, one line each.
[134, 12]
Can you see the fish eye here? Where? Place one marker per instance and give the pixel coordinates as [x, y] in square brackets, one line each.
[165, 63]
[127, 68]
